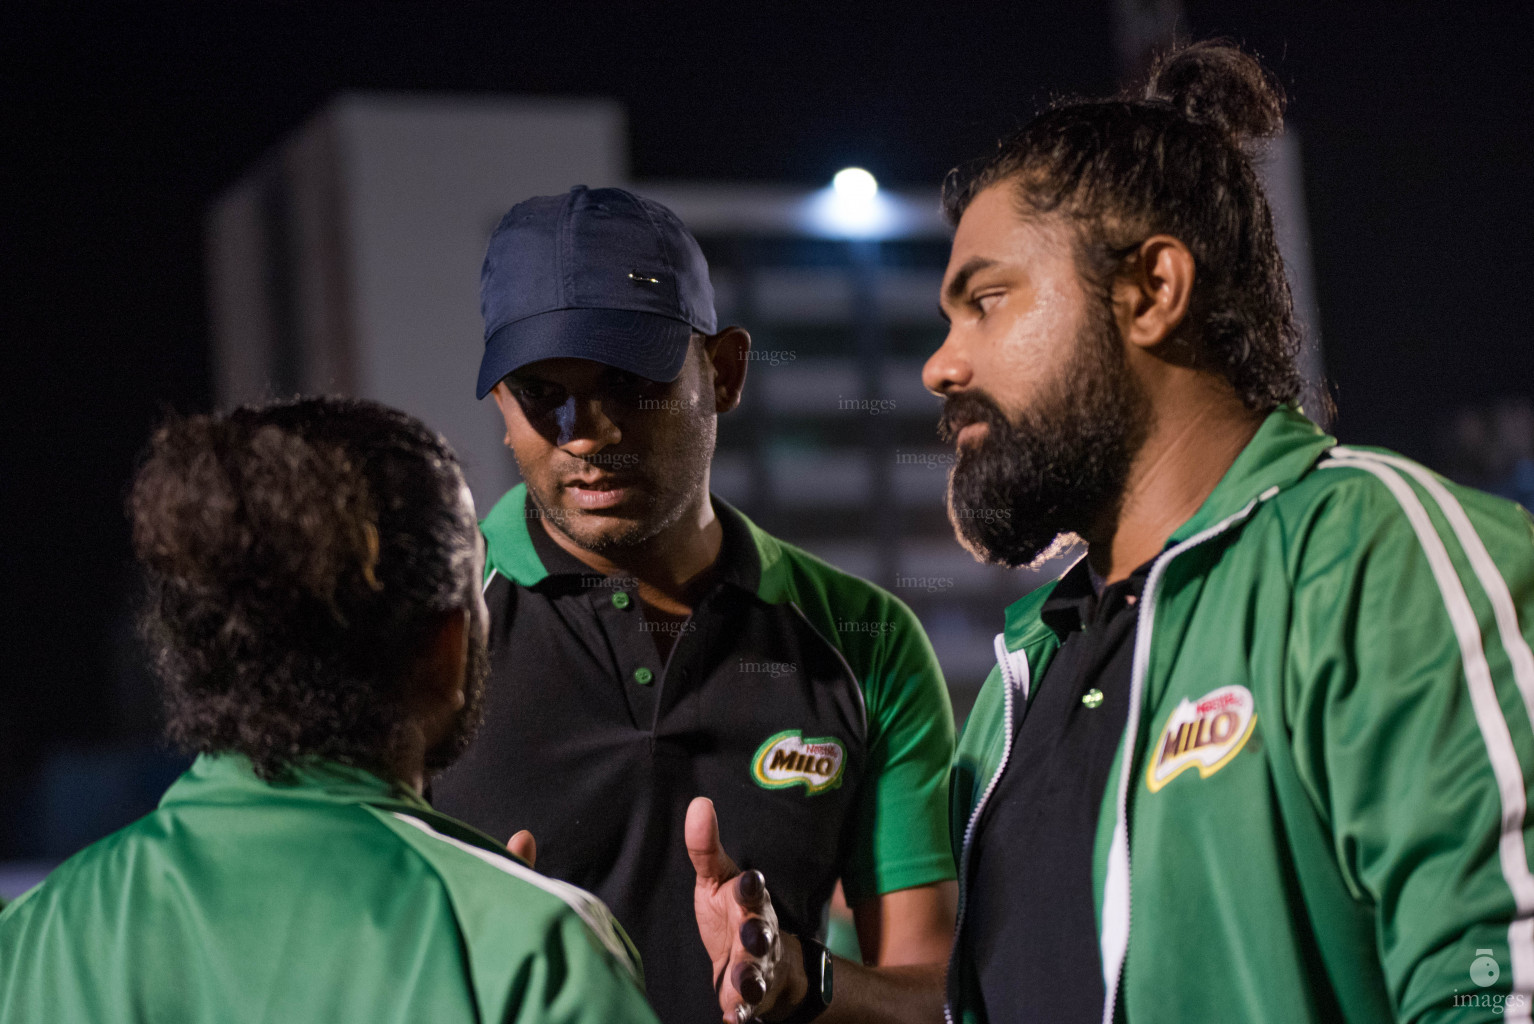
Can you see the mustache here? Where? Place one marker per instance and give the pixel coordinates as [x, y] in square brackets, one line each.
[967, 407]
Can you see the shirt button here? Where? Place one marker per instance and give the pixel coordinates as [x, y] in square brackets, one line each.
[643, 676]
[620, 600]
[1093, 698]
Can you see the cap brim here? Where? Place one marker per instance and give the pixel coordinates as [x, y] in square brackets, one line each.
[647, 344]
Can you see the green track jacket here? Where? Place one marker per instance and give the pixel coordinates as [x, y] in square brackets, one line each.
[335, 897]
[1319, 808]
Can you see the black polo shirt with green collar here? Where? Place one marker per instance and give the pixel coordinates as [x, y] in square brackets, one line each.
[806, 703]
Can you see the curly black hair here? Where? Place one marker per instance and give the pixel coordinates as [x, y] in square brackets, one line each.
[296, 555]
[1171, 160]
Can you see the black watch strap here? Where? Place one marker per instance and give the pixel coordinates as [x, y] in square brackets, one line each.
[817, 974]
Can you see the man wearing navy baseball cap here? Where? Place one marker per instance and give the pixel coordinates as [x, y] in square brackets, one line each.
[650, 645]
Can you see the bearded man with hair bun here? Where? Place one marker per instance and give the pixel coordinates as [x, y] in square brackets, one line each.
[1264, 753]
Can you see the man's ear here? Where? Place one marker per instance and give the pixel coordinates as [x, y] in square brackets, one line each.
[728, 353]
[437, 676]
[1152, 292]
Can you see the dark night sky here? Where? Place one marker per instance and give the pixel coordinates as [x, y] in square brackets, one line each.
[126, 118]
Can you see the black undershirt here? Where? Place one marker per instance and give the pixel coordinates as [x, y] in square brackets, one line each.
[1031, 922]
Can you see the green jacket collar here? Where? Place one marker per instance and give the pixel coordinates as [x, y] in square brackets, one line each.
[510, 551]
[1282, 451]
[229, 778]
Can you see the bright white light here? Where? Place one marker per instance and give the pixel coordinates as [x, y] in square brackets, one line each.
[852, 207]
[855, 183]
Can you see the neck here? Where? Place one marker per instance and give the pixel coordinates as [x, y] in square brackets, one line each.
[411, 766]
[668, 566]
[1194, 438]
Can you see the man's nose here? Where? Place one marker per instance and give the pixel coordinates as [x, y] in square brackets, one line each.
[946, 369]
[584, 427]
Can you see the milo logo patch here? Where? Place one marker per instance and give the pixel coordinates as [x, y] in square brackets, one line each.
[1203, 734]
[787, 759]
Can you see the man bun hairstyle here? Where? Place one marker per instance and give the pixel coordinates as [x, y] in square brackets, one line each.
[1215, 84]
[1172, 159]
[296, 557]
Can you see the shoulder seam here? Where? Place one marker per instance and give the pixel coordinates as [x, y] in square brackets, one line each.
[578, 900]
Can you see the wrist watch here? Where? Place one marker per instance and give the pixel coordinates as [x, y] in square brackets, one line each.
[817, 975]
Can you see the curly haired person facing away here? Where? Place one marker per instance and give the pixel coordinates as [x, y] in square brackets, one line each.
[314, 615]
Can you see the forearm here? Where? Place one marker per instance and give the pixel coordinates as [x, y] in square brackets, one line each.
[909, 994]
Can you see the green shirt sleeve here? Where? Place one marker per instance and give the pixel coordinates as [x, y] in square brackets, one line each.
[575, 981]
[902, 815]
[1411, 731]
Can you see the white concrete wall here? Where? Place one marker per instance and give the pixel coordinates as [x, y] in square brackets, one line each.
[391, 200]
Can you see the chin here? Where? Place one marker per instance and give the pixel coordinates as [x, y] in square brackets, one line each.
[606, 530]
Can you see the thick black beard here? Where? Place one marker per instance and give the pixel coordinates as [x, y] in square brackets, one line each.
[476, 670]
[1016, 497]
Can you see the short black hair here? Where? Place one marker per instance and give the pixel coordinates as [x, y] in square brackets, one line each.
[1170, 160]
[296, 556]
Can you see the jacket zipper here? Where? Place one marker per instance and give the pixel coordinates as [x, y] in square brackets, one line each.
[1118, 849]
[1009, 686]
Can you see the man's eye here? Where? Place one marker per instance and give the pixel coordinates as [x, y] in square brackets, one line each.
[536, 395]
[986, 302]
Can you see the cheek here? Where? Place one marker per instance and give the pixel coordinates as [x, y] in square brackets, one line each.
[1029, 351]
[530, 448]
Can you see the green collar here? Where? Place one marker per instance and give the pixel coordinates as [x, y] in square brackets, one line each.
[509, 548]
[228, 778]
[1282, 451]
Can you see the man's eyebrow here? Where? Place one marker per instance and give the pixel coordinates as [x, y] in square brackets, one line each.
[961, 279]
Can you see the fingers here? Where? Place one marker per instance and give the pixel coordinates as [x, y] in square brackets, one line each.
[758, 947]
[703, 847]
[751, 889]
[747, 978]
[524, 846]
[756, 936]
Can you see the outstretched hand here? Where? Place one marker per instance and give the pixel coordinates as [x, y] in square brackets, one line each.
[736, 921]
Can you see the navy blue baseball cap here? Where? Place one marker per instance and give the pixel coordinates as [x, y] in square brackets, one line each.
[597, 274]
